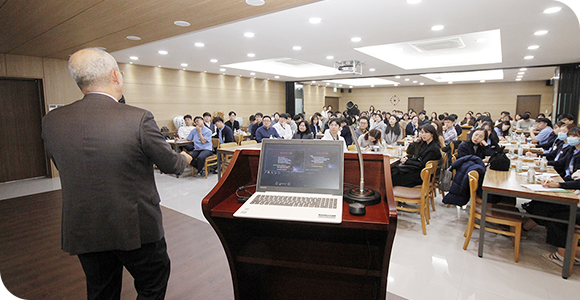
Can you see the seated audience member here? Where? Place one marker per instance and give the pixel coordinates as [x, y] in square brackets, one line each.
[257, 125]
[223, 132]
[540, 115]
[370, 139]
[569, 161]
[232, 123]
[566, 118]
[275, 118]
[546, 137]
[501, 117]
[252, 119]
[439, 130]
[303, 132]
[201, 137]
[525, 123]
[517, 118]
[441, 118]
[184, 131]
[333, 132]
[449, 132]
[413, 126]
[207, 121]
[423, 118]
[294, 123]
[314, 127]
[557, 149]
[266, 131]
[423, 149]
[282, 127]
[434, 116]
[476, 145]
[393, 131]
[363, 126]
[458, 128]
[379, 124]
[345, 131]
[404, 120]
[468, 120]
[492, 138]
[502, 129]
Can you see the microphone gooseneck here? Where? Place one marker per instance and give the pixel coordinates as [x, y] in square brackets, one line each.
[361, 195]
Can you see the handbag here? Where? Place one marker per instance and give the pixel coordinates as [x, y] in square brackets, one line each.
[499, 161]
[446, 179]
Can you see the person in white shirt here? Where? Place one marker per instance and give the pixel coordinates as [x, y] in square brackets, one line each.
[282, 127]
[333, 132]
[526, 122]
[184, 131]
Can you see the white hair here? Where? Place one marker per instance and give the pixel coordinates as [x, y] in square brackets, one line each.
[91, 68]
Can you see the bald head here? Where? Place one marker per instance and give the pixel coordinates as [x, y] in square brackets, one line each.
[95, 70]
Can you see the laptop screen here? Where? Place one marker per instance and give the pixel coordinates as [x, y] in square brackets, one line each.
[301, 166]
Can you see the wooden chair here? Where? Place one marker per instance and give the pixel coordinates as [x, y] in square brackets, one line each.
[417, 195]
[575, 246]
[351, 147]
[432, 188]
[226, 157]
[248, 142]
[514, 221]
[239, 138]
[210, 160]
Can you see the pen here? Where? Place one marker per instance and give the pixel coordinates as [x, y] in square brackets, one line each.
[545, 181]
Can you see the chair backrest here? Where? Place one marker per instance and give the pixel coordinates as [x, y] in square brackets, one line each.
[433, 172]
[226, 145]
[248, 142]
[473, 184]
[452, 147]
[215, 142]
[351, 147]
[239, 138]
[428, 177]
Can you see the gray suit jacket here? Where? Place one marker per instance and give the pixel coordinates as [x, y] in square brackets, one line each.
[105, 153]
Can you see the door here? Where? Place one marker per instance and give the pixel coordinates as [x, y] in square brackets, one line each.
[22, 106]
[529, 103]
[416, 103]
[334, 102]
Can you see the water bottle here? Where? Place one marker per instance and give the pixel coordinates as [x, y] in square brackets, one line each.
[543, 164]
[400, 151]
[531, 175]
[519, 164]
[520, 151]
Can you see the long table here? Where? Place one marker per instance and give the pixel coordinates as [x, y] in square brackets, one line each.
[510, 184]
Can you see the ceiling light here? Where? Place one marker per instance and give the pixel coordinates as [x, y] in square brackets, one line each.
[397, 76]
[240, 75]
[340, 85]
[131, 62]
[407, 79]
[330, 57]
[222, 70]
[199, 44]
[523, 69]
[552, 10]
[276, 76]
[396, 84]
[422, 83]
[223, 73]
[372, 70]
[184, 65]
[482, 81]
[414, 81]
[528, 57]
[181, 23]
[540, 32]
[314, 20]
[252, 73]
[296, 48]
[450, 82]
[284, 66]
[313, 81]
[162, 52]
[328, 83]
[159, 66]
[519, 76]
[183, 69]
[133, 38]
[466, 76]
[413, 1]
[437, 27]
[255, 2]
[249, 34]
[518, 79]
[350, 86]
[251, 55]
[372, 85]
[521, 73]
[355, 39]
[481, 40]
[213, 60]
[533, 47]
[133, 57]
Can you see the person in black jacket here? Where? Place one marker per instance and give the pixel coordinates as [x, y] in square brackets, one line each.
[569, 161]
[303, 132]
[232, 123]
[413, 126]
[425, 148]
[476, 145]
[223, 132]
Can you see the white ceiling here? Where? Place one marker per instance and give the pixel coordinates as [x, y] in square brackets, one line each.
[376, 22]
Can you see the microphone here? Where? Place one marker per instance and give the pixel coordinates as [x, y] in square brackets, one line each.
[361, 194]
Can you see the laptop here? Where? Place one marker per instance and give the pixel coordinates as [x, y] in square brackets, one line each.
[298, 180]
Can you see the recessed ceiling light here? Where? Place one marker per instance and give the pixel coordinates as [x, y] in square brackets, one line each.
[328, 83]
[437, 27]
[396, 84]
[314, 20]
[414, 81]
[481, 40]
[205, 71]
[222, 70]
[252, 73]
[199, 44]
[255, 2]
[133, 38]
[181, 23]
[533, 47]
[523, 69]
[159, 66]
[518, 79]
[519, 76]
[413, 1]
[422, 83]
[162, 52]
[223, 73]
[450, 82]
[340, 85]
[251, 55]
[350, 86]
[249, 34]
[528, 57]
[240, 75]
[540, 32]
[296, 48]
[254, 77]
[372, 85]
[397, 76]
[276, 76]
[213, 60]
[184, 65]
[407, 79]
[130, 62]
[330, 57]
[482, 81]
[313, 81]
[133, 57]
[552, 10]
[521, 73]
[372, 70]
[355, 39]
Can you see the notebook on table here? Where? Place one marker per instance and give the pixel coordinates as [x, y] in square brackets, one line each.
[298, 180]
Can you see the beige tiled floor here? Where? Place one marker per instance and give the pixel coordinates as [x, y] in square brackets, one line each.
[422, 267]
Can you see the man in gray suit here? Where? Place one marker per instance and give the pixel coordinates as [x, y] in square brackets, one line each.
[105, 153]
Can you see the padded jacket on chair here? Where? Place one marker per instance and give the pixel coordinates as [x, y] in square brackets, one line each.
[459, 191]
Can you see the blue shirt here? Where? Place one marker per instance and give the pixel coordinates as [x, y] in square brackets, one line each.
[197, 145]
[263, 133]
[543, 136]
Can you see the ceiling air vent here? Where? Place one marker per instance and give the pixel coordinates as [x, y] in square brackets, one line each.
[453, 43]
[292, 62]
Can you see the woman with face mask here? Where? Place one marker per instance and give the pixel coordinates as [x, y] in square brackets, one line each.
[569, 160]
[557, 149]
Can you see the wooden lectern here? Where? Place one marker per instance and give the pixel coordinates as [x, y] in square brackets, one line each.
[272, 259]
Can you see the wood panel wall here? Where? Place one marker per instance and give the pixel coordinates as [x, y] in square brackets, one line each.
[2, 65]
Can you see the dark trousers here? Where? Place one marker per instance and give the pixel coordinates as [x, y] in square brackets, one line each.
[149, 266]
[199, 157]
[556, 233]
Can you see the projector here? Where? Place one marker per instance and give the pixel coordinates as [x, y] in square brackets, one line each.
[348, 67]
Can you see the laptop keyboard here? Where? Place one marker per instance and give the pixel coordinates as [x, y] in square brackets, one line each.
[311, 202]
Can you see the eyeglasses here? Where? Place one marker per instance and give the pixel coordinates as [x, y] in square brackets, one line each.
[122, 73]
